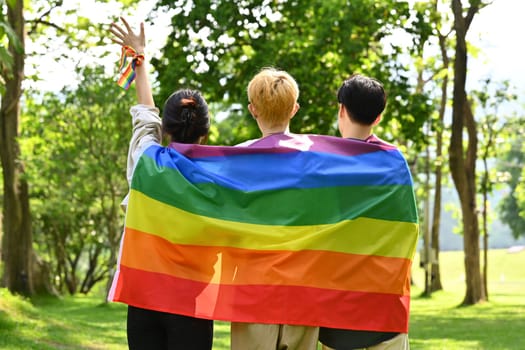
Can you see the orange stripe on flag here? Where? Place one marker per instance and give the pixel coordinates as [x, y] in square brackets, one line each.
[236, 266]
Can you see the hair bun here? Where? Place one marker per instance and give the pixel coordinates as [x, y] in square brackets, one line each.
[187, 102]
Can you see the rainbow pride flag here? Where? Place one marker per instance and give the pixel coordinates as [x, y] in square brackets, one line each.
[295, 229]
[128, 75]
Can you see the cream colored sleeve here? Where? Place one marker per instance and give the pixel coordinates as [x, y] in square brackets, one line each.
[147, 131]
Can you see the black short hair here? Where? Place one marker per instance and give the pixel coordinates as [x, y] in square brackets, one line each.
[364, 98]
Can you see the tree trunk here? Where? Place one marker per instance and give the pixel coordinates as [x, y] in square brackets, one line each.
[438, 172]
[435, 283]
[41, 277]
[462, 164]
[17, 249]
[485, 188]
[485, 225]
[427, 263]
[115, 230]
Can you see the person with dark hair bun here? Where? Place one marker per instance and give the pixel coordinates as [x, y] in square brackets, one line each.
[185, 119]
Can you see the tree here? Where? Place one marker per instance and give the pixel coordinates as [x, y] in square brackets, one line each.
[23, 270]
[217, 46]
[490, 128]
[17, 249]
[428, 19]
[76, 144]
[512, 163]
[7, 35]
[520, 191]
[463, 158]
[433, 70]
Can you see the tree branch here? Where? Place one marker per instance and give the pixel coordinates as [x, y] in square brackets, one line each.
[40, 20]
[35, 22]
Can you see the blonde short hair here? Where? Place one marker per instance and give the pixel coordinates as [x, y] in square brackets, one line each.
[274, 94]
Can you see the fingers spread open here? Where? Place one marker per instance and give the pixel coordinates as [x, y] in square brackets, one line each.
[126, 24]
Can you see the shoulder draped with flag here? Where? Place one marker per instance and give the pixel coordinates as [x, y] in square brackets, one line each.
[295, 229]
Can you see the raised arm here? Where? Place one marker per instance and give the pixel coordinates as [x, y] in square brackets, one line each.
[138, 42]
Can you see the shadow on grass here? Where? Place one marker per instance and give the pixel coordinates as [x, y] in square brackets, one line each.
[490, 326]
[91, 318]
[80, 322]
[6, 323]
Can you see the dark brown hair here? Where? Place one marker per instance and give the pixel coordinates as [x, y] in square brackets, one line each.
[185, 116]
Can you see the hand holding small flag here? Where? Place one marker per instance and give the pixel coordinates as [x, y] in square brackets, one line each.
[132, 47]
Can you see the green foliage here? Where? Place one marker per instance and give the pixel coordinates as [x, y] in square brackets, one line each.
[511, 164]
[486, 103]
[75, 147]
[217, 47]
[57, 31]
[520, 193]
[7, 38]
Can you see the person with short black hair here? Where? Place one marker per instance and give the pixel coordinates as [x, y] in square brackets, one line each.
[362, 100]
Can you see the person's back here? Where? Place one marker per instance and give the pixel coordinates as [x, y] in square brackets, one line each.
[362, 100]
[273, 98]
[185, 119]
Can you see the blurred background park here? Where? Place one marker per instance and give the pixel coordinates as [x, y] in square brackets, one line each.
[455, 84]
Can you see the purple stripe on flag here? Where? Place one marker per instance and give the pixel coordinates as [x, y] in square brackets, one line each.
[286, 143]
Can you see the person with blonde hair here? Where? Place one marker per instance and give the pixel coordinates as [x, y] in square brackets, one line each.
[272, 96]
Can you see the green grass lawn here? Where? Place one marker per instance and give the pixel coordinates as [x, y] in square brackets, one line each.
[439, 323]
[85, 322]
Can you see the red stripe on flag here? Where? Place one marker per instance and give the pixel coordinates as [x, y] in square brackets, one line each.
[251, 303]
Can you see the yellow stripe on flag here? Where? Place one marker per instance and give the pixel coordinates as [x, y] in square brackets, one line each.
[360, 236]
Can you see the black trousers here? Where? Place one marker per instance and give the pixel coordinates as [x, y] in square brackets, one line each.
[153, 330]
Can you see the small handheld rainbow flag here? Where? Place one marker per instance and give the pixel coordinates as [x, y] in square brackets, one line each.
[127, 77]
[295, 229]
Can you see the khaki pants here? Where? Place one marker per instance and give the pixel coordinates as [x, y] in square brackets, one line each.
[256, 336]
[399, 342]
